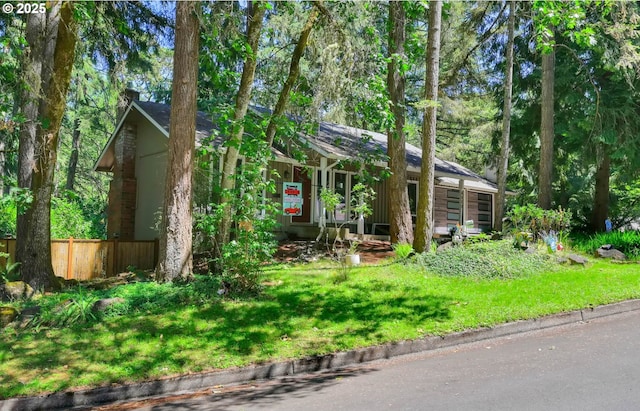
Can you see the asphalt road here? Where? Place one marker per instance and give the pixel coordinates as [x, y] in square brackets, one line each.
[583, 366]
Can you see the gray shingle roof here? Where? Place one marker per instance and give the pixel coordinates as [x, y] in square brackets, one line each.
[332, 140]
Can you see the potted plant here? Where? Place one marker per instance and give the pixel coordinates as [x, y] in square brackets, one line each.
[352, 257]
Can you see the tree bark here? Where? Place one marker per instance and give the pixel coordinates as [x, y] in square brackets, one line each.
[424, 223]
[30, 99]
[73, 158]
[294, 72]
[3, 161]
[176, 248]
[254, 26]
[601, 196]
[401, 225]
[546, 131]
[503, 165]
[36, 267]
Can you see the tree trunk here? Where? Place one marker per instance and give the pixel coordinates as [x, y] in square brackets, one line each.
[176, 249]
[424, 223]
[254, 26]
[73, 158]
[401, 225]
[3, 161]
[32, 63]
[294, 72]
[35, 261]
[601, 196]
[503, 165]
[546, 131]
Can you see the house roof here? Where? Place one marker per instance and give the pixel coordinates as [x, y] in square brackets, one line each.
[334, 141]
[341, 142]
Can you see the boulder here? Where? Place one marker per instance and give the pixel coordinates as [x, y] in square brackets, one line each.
[610, 253]
[15, 290]
[577, 259]
[7, 315]
[27, 315]
[105, 303]
[444, 246]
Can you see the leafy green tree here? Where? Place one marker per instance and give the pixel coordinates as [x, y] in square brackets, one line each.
[255, 14]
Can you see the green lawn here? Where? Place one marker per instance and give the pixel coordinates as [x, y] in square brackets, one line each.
[166, 330]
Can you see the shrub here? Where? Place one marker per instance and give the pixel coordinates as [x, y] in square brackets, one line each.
[403, 250]
[533, 219]
[8, 213]
[628, 242]
[495, 259]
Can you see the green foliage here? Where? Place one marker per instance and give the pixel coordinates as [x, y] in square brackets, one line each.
[239, 262]
[403, 250]
[533, 219]
[10, 270]
[628, 242]
[495, 259]
[67, 310]
[69, 216]
[67, 220]
[8, 214]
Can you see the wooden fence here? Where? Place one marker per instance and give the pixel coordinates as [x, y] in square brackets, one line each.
[87, 259]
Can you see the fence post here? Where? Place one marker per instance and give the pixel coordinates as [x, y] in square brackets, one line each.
[70, 259]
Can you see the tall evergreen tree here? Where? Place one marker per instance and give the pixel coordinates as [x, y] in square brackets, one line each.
[52, 39]
[503, 165]
[401, 225]
[176, 250]
[424, 223]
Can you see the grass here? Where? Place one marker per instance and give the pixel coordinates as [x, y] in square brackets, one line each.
[164, 330]
[628, 242]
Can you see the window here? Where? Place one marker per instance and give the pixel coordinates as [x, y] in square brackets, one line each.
[484, 211]
[453, 205]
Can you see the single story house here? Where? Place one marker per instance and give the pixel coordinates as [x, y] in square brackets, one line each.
[136, 155]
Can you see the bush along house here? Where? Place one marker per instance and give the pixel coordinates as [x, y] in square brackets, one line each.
[136, 155]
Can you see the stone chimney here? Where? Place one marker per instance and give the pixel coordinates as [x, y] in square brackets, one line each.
[125, 98]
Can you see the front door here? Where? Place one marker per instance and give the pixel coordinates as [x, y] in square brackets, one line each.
[301, 176]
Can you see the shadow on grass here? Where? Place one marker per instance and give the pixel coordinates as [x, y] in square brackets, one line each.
[299, 320]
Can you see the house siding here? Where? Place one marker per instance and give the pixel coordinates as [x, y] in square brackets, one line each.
[151, 166]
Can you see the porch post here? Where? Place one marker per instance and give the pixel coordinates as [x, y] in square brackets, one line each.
[322, 223]
[463, 201]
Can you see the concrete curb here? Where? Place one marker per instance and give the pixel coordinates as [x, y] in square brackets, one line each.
[195, 382]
